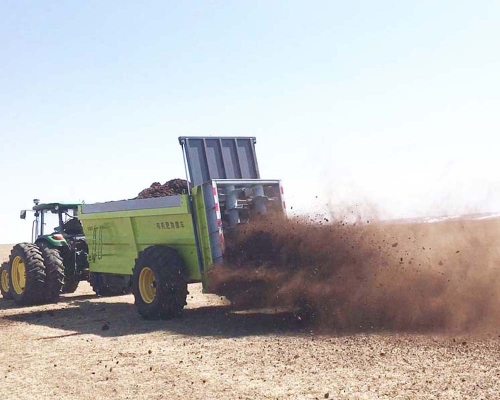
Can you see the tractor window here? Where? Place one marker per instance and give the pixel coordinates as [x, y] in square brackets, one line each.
[67, 215]
[51, 222]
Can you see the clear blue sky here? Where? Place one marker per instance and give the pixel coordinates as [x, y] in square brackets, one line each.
[390, 104]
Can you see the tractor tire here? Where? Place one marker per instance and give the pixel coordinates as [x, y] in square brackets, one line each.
[54, 272]
[159, 283]
[27, 274]
[4, 281]
[70, 285]
[102, 287]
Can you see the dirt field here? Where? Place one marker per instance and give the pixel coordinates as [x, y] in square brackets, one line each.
[87, 347]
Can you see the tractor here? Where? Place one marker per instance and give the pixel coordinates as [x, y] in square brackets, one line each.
[52, 263]
[55, 262]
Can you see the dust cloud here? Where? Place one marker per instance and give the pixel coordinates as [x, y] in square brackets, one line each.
[441, 276]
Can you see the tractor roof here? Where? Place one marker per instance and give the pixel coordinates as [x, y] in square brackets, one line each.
[54, 206]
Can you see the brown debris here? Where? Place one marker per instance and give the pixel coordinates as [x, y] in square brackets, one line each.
[353, 277]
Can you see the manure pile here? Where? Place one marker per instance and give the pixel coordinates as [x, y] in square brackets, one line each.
[169, 188]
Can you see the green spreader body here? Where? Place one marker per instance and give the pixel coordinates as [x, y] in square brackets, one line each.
[117, 231]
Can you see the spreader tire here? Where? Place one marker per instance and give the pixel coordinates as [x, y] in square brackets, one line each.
[27, 274]
[159, 283]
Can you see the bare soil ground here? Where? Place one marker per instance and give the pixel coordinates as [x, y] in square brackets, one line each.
[88, 347]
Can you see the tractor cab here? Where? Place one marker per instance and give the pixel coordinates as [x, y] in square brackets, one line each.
[63, 216]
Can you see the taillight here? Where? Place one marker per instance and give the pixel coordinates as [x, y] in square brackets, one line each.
[57, 236]
[283, 204]
[218, 214]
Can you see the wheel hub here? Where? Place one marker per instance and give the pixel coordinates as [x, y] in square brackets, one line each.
[18, 275]
[4, 281]
[147, 285]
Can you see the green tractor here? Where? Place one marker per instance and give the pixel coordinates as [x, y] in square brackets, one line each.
[54, 262]
[64, 249]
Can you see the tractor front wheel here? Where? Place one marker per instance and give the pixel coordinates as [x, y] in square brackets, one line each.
[27, 274]
[4, 281]
[159, 283]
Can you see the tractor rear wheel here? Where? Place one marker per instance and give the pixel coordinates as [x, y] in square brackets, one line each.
[159, 283]
[27, 274]
[4, 281]
[54, 271]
